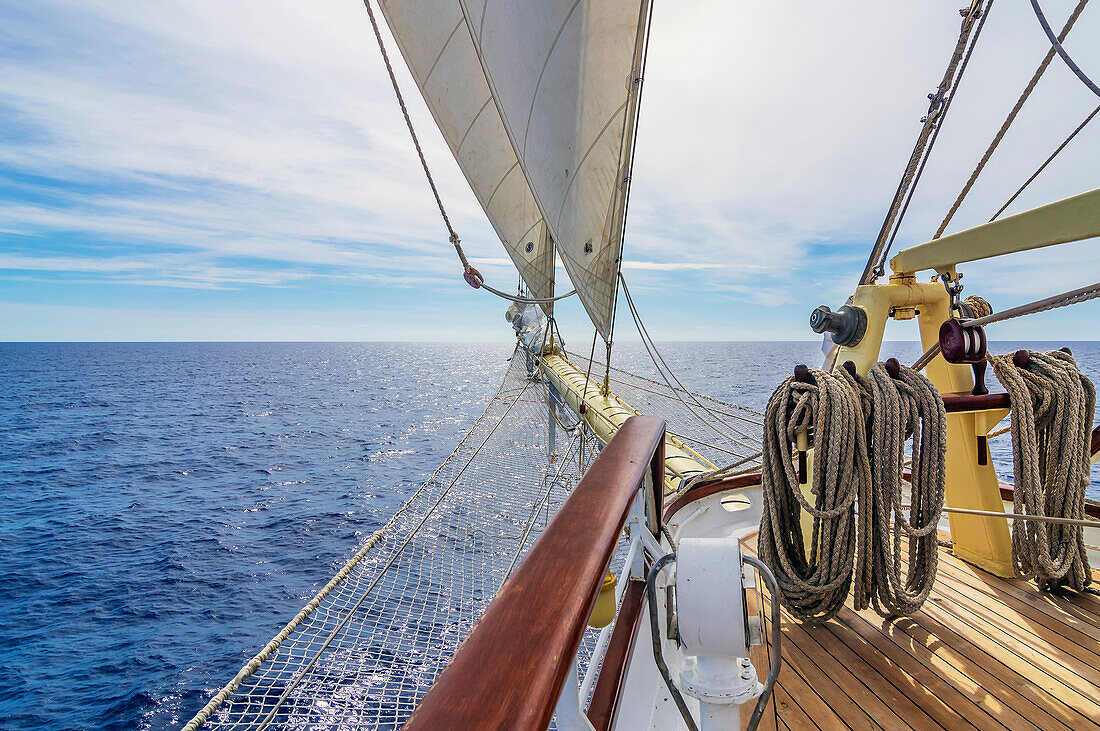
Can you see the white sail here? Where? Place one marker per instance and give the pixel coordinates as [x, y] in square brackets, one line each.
[563, 73]
[439, 50]
[557, 79]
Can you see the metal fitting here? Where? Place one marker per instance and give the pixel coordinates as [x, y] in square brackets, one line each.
[847, 325]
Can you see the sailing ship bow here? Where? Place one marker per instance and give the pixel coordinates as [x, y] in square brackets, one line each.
[537, 100]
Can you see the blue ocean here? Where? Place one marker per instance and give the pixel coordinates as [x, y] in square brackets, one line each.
[168, 506]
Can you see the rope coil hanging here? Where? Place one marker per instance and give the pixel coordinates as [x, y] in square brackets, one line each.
[1052, 410]
[813, 585]
[904, 404]
[860, 427]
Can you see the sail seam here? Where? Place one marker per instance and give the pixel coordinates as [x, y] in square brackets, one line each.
[545, 63]
[484, 12]
[533, 227]
[476, 40]
[442, 50]
[501, 182]
[473, 122]
[595, 141]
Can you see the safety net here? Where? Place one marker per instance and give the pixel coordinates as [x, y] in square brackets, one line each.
[364, 651]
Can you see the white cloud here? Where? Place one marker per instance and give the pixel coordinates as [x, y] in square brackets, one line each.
[258, 143]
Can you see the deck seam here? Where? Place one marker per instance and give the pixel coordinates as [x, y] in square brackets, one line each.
[1053, 680]
[967, 666]
[923, 663]
[953, 594]
[989, 629]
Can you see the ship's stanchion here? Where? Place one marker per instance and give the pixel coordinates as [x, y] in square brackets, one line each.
[713, 631]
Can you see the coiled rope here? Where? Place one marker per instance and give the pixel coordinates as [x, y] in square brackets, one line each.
[902, 406]
[813, 585]
[1052, 410]
[860, 428]
[978, 306]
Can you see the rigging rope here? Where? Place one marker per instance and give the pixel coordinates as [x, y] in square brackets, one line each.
[899, 407]
[1009, 120]
[1046, 162]
[1052, 410]
[922, 150]
[814, 584]
[1057, 45]
[655, 356]
[473, 276]
[638, 79]
[355, 607]
[1075, 296]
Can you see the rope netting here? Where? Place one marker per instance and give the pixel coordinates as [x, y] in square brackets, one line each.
[364, 651]
[719, 431]
[377, 640]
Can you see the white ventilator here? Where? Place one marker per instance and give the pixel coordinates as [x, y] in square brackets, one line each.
[714, 633]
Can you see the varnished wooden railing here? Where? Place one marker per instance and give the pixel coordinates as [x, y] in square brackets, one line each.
[511, 669]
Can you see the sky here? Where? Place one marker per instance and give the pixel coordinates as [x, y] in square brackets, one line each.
[240, 170]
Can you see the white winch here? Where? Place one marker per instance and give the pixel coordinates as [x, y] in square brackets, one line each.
[710, 621]
[714, 636]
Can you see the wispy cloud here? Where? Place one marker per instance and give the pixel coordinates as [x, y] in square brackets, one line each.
[217, 146]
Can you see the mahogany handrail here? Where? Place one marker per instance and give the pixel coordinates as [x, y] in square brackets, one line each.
[510, 671]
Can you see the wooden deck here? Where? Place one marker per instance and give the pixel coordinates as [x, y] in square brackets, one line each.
[982, 653]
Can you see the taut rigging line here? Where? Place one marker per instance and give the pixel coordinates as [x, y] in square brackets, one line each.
[1072, 297]
[937, 111]
[473, 276]
[1011, 117]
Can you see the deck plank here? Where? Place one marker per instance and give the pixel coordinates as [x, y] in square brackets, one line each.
[1004, 591]
[962, 695]
[1055, 678]
[983, 653]
[986, 690]
[924, 699]
[845, 675]
[1073, 655]
[791, 714]
[963, 654]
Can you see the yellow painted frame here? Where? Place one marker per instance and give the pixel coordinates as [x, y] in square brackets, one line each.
[982, 541]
